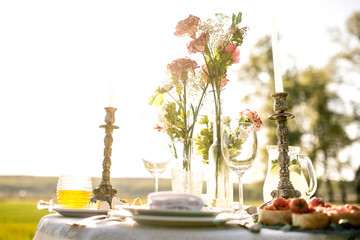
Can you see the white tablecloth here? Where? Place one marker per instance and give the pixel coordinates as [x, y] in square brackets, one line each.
[54, 226]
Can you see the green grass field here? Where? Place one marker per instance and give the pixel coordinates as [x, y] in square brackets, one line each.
[19, 219]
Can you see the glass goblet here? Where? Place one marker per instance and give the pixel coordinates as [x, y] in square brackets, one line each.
[156, 166]
[239, 148]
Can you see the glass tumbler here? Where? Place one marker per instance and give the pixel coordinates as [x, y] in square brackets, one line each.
[74, 191]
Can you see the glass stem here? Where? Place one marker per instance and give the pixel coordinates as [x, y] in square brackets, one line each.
[241, 194]
[156, 187]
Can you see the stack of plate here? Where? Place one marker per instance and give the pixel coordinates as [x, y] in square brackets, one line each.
[175, 218]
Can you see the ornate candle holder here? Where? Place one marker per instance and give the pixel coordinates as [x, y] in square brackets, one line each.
[285, 188]
[105, 192]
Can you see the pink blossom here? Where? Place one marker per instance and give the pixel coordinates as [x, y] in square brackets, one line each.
[252, 116]
[198, 44]
[181, 66]
[205, 70]
[235, 52]
[158, 127]
[187, 26]
[224, 81]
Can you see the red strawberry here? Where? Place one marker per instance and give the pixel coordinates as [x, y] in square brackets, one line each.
[316, 202]
[299, 205]
[310, 210]
[280, 203]
[270, 207]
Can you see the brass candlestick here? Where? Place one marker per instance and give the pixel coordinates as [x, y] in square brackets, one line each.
[105, 192]
[285, 188]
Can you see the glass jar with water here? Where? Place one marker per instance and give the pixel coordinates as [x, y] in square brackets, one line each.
[302, 174]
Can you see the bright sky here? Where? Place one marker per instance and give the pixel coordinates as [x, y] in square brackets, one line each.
[59, 59]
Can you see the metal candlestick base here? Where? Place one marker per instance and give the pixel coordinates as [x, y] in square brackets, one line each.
[105, 192]
[285, 188]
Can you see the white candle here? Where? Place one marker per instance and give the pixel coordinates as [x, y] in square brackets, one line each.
[111, 94]
[276, 60]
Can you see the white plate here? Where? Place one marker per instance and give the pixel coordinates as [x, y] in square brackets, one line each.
[81, 213]
[178, 221]
[146, 211]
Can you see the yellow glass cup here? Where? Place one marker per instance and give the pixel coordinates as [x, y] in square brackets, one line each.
[73, 191]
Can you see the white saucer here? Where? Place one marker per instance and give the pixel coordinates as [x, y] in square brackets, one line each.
[146, 211]
[80, 213]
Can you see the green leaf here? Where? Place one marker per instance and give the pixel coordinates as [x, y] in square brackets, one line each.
[200, 147]
[204, 120]
[293, 161]
[152, 98]
[159, 100]
[274, 163]
[239, 18]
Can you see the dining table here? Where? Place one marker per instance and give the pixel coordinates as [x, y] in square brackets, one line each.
[56, 226]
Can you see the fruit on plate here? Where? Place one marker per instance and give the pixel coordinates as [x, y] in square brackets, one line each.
[316, 202]
[313, 215]
[348, 212]
[299, 205]
[278, 213]
[306, 216]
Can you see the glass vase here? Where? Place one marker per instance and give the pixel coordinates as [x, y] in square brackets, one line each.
[219, 184]
[185, 179]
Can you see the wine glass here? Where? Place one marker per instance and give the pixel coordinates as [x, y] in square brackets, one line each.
[157, 158]
[156, 166]
[239, 150]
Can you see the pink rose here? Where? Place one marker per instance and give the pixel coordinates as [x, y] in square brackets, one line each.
[235, 52]
[198, 44]
[253, 117]
[181, 66]
[187, 26]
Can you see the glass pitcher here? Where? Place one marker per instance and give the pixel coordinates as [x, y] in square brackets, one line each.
[302, 174]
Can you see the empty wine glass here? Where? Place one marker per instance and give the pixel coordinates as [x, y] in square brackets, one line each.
[156, 166]
[239, 150]
[157, 158]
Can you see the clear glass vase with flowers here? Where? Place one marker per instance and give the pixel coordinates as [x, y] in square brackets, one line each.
[218, 41]
[181, 99]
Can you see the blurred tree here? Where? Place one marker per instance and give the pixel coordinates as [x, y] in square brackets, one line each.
[357, 184]
[259, 73]
[345, 67]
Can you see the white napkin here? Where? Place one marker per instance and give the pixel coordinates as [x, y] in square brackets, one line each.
[171, 200]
